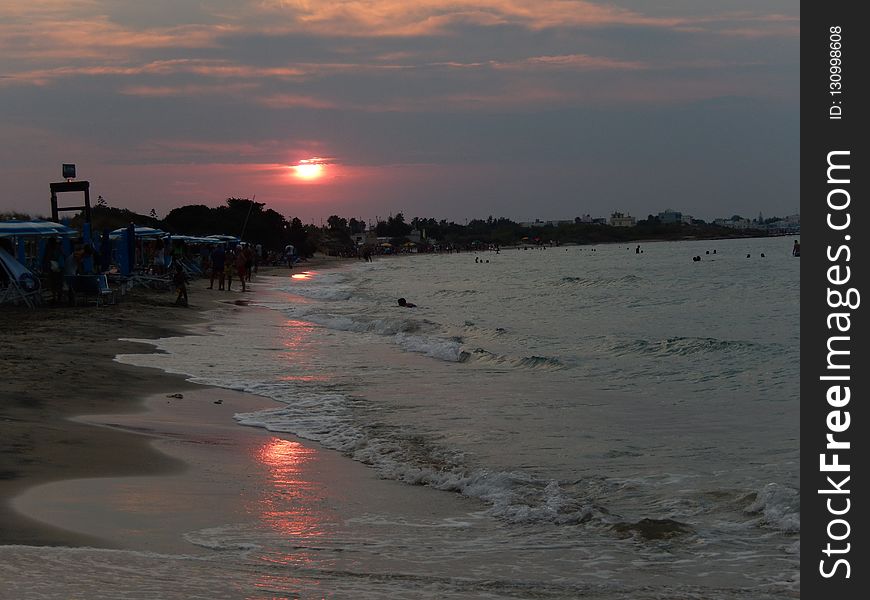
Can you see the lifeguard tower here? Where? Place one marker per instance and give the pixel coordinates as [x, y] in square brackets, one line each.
[69, 185]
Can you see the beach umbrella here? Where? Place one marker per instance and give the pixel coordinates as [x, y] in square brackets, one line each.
[193, 239]
[387, 245]
[141, 232]
[34, 228]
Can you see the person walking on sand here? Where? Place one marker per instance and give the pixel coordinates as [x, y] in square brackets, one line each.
[179, 280]
[796, 249]
[218, 260]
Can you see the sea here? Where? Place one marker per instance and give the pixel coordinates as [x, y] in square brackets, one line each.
[617, 421]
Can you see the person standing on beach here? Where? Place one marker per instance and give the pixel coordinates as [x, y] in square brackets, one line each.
[229, 267]
[248, 252]
[179, 280]
[241, 266]
[218, 260]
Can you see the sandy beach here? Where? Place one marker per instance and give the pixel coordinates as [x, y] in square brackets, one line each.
[58, 364]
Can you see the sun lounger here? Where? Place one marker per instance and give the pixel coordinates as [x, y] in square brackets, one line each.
[90, 287]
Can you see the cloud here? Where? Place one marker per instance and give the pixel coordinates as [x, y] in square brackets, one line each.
[429, 17]
[283, 101]
[187, 90]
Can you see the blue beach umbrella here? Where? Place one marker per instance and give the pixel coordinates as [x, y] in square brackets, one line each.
[34, 228]
[140, 232]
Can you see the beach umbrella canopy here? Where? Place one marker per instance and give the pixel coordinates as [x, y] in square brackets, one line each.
[193, 239]
[142, 232]
[34, 228]
[387, 245]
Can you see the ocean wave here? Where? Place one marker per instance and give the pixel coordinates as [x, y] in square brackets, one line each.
[401, 455]
[539, 363]
[449, 350]
[324, 292]
[331, 286]
[455, 293]
[600, 281]
[777, 507]
[687, 346]
[362, 324]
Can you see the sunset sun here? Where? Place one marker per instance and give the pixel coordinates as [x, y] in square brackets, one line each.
[309, 169]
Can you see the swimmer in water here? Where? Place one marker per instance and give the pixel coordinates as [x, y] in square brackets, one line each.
[404, 303]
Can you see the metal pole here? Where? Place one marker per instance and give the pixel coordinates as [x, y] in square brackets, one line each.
[245, 226]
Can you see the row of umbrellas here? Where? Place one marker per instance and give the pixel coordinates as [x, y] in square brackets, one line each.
[152, 233]
[51, 229]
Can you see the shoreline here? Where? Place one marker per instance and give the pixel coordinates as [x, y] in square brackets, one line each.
[204, 480]
[61, 367]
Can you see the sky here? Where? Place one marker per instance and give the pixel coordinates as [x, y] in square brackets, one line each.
[455, 109]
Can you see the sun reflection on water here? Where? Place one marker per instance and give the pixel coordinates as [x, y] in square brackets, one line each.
[286, 506]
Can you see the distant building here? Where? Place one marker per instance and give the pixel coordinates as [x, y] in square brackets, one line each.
[732, 223]
[670, 217]
[540, 223]
[367, 238]
[789, 224]
[618, 219]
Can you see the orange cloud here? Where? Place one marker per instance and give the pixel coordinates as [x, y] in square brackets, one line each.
[167, 91]
[221, 69]
[570, 62]
[77, 39]
[400, 17]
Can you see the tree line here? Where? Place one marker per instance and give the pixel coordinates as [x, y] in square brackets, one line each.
[253, 222]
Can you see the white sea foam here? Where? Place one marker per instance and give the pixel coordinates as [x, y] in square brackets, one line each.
[778, 506]
[436, 347]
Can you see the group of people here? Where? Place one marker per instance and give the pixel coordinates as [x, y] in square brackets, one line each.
[57, 265]
[239, 260]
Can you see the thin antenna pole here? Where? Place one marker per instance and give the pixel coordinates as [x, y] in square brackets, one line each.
[245, 226]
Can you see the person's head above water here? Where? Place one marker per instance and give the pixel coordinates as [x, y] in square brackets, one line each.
[405, 303]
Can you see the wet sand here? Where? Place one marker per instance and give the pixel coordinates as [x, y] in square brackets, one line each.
[58, 364]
